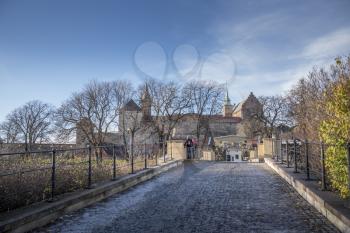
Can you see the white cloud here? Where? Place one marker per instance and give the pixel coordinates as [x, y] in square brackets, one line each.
[269, 83]
[247, 41]
[330, 45]
[230, 32]
[219, 67]
[267, 68]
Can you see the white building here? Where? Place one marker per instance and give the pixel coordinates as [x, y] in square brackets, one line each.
[234, 155]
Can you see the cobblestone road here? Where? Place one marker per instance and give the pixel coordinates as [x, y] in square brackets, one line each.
[202, 197]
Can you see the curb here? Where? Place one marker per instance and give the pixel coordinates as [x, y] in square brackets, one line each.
[40, 214]
[341, 221]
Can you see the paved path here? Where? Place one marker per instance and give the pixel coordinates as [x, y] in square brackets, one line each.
[202, 197]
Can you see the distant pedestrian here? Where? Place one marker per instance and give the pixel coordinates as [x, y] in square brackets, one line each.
[194, 148]
[188, 145]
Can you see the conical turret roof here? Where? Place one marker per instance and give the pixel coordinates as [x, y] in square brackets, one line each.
[145, 94]
[227, 100]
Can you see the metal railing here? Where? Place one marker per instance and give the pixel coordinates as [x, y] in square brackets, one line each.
[31, 176]
[309, 158]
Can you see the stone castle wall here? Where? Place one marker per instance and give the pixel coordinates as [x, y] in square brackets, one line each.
[218, 127]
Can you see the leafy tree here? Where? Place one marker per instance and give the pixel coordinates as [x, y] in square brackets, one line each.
[335, 130]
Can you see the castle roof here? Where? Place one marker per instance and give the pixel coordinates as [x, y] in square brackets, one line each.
[239, 106]
[131, 106]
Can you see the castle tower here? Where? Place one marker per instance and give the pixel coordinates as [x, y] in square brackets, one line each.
[248, 108]
[227, 109]
[146, 104]
[84, 128]
[130, 114]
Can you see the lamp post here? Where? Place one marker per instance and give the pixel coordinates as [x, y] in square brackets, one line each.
[164, 140]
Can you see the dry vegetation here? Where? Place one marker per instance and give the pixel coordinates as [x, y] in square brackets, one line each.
[27, 179]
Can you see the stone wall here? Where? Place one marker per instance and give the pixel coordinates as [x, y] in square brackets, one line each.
[208, 155]
[261, 152]
[217, 126]
[177, 149]
[272, 147]
[229, 139]
[253, 154]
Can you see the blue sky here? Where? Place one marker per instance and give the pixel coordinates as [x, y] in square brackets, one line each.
[49, 49]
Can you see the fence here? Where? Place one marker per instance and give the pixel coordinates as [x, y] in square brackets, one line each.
[306, 157]
[32, 176]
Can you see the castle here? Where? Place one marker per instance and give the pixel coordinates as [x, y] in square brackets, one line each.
[134, 117]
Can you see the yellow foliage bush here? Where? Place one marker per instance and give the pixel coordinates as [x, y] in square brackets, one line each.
[335, 131]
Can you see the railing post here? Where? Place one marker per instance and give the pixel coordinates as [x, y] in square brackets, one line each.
[307, 159]
[89, 169]
[272, 155]
[348, 155]
[323, 169]
[281, 152]
[26, 150]
[53, 174]
[295, 157]
[145, 156]
[114, 163]
[276, 151]
[287, 145]
[132, 161]
[164, 150]
[157, 157]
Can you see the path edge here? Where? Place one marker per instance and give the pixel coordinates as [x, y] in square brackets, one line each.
[40, 214]
[341, 221]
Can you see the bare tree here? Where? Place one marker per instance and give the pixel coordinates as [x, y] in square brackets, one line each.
[122, 92]
[91, 112]
[169, 103]
[9, 132]
[134, 125]
[206, 100]
[30, 123]
[275, 113]
[306, 101]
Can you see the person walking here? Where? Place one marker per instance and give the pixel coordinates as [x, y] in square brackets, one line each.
[188, 145]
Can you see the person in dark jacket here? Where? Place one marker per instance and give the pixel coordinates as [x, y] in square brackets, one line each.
[188, 145]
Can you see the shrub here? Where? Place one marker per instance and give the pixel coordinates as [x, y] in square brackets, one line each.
[335, 130]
